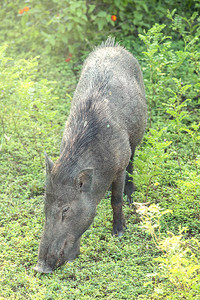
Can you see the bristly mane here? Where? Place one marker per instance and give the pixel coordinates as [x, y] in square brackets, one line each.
[86, 121]
[85, 125]
[110, 42]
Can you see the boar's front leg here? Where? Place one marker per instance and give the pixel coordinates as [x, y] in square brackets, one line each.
[117, 203]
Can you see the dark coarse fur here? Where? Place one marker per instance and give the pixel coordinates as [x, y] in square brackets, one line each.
[106, 122]
[90, 110]
[85, 126]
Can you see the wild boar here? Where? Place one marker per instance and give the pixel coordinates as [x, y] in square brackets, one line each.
[106, 122]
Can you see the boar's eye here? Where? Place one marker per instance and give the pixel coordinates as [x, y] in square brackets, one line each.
[64, 212]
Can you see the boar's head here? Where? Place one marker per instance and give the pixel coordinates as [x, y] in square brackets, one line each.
[69, 211]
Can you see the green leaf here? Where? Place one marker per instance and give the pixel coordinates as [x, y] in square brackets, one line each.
[91, 8]
[65, 38]
[24, 19]
[102, 14]
[61, 28]
[51, 40]
[69, 26]
[100, 24]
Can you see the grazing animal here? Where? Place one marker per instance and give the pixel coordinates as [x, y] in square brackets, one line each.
[106, 122]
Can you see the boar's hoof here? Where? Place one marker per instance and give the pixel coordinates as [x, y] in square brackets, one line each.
[129, 200]
[129, 189]
[118, 233]
[41, 268]
[118, 230]
[118, 227]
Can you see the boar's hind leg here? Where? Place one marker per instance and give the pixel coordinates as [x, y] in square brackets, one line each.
[117, 203]
[129, 187]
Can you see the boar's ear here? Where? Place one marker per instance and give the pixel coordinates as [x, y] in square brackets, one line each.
[49, 164]
[85, 180]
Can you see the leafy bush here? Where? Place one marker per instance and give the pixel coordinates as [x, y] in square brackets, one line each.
[69, 26]
[165, 63]
[29, 115]
[169, 157]
[177, 275]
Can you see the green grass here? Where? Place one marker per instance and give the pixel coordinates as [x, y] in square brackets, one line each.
[108, 267]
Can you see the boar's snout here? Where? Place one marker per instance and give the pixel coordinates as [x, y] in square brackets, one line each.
[48, 260]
